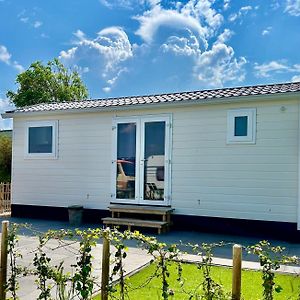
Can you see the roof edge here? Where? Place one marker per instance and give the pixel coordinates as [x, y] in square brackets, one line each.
[212, 101]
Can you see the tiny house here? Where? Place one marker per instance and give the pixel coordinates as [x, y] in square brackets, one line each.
[225, 158]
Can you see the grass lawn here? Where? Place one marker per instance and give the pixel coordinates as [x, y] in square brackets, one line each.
[251, 283]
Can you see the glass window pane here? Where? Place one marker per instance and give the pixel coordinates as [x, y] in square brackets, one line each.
[126, 157]
[40, 139]
[154, 171]
[241, 126]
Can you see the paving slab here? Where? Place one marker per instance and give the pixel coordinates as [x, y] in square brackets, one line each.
[136, 259]
[246, 264]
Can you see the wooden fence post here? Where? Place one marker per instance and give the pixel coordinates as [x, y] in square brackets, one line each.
[3, 268]
[236, 271]
[105, 267]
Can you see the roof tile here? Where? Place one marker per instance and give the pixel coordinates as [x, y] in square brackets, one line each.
[200, 96]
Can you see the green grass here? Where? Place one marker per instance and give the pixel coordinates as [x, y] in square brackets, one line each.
[251, 283]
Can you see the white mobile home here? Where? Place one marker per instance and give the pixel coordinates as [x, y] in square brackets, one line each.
[217, 157]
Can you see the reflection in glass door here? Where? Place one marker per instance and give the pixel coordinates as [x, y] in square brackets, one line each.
[154, 160]
[142, 160]
[126, 159]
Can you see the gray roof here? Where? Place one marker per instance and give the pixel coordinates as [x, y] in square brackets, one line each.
[195, 96]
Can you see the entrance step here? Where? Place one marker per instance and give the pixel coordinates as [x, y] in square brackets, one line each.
[160, 225]
[126, 214]
[138, 209]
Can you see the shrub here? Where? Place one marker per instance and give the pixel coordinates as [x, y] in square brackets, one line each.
[5, 158]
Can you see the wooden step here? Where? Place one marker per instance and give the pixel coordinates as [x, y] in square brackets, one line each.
[135, 222]
[139, 209]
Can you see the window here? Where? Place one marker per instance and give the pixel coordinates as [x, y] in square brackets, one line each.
[41, 139]
[241, 126]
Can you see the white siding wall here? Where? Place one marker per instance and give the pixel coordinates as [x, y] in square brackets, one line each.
[257, 181]
[209, 178]
[82, 168]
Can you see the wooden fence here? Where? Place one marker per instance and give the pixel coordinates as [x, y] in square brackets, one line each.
[5, 198]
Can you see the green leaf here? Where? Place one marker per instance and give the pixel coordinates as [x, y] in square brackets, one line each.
[47, 83]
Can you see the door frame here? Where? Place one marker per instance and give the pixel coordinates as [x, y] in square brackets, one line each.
[139, 164]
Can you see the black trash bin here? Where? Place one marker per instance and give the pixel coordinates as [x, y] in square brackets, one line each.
[75, 214]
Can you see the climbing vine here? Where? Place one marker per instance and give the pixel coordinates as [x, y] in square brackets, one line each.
[270, 258]
[54, 282]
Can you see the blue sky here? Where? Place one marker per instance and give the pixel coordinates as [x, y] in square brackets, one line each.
[135, 47]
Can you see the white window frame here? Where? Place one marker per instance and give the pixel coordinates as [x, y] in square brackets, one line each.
[250, 138]
[54, 153]
[116, 121]
[140, 123]
[167, 166]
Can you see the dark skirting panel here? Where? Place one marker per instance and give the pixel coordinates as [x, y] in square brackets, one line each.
[259, 229]
[55, 213]
[240, 227]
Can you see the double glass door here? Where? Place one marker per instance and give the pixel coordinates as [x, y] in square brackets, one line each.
[141, 162]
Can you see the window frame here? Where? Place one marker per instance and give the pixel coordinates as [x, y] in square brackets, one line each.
[54, 152]
[140, 120]
[250, 138]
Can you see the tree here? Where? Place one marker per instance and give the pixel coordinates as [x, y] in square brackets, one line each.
[5, 158]
[47, 83]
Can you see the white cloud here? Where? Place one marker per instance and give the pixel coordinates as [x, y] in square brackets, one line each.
[5, 57]
[104, 54]
[203, 10]
[296, 68]
[246, 8]
[120, 3]
[44, 35]
[152, 20]
[225, 35]
[189, 30]
[296, 78]
[85, 69]
[188, 45]
[293, 7]
[194, 26]
[265, 69]
[275, 67]
[106, 89]
[266, 31]
[226, 4]
[275, 5]
[241, 13]
[219, 65]
[233, 17]
[5, 105]
[18, 67]
[212, 67]
[24, 19]
[27, 17]
[37, 24]
[128, 4]
[195, 15]
[79, 34]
